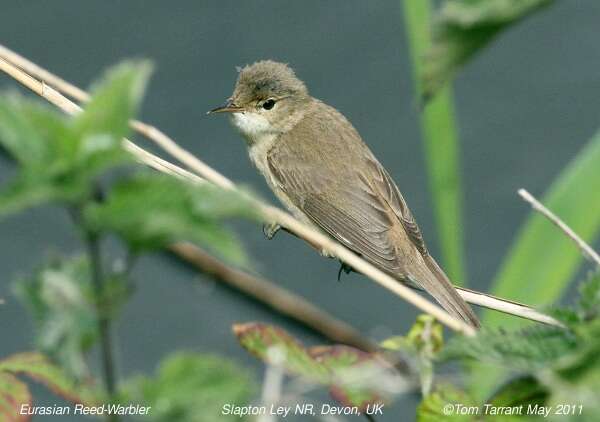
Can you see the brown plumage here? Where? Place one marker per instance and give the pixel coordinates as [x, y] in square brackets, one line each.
[318, 165]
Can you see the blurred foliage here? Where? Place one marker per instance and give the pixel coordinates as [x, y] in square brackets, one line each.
[59, 159]
[461, 28]
[423, 342]
[152, 211]
[61, 299]
[14, 392]
[192, 387]
[354, 377]
[553, 366]
[442, 148]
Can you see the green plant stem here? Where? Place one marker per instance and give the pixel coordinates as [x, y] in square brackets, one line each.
[441, 144]
[108, 366]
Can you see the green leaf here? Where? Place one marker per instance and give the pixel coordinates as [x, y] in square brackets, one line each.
[542, 257]
[37, 367]
[522, 350]
[575, 377]
[59, 158]
[461, 28]
[589, 298]
[445, 404]
[34, 137]
[521, 391]
[442, 148]
[151, 210]
[191, 387]
[61, 300]
[115, 100]
[25, 127]
[13, 394]
[54, 165]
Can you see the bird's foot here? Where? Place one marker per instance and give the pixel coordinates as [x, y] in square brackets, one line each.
[270, 230]
[345, 268]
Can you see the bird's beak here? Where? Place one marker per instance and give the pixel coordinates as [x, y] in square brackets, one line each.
[228, 107]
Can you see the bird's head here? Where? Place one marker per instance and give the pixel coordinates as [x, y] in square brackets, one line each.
[268, 99]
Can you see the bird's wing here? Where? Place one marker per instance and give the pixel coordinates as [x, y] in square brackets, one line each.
[356, 211]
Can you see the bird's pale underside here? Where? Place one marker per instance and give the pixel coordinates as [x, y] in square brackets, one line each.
[319, 167]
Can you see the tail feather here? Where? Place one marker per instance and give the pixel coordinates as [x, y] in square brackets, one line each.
[437, 284]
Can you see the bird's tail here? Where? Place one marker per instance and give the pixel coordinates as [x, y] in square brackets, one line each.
[437, 284]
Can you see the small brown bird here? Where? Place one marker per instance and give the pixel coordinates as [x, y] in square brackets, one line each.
[319, 167]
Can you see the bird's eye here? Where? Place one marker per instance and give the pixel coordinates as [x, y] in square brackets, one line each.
[269, 104]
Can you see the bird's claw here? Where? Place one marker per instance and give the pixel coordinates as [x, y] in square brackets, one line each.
[345, 268]
[270, 230]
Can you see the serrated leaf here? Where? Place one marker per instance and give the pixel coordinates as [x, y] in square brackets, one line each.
[61, 300]
[258, 339]
[349, 367]
[520, 350]
[151, 210]
[461, 28]
[575, 377]
[25, 127]
[589, 294]
[115, 100]
[191, 387]
[13, 394]
[354, 377]
[55, 164]
[35, 138]
[39, 368]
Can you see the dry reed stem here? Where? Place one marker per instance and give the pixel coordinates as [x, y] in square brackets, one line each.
[586, 249]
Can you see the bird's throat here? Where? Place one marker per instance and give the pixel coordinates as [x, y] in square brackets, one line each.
[254, 127]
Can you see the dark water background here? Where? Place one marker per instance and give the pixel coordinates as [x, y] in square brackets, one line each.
[525, 107]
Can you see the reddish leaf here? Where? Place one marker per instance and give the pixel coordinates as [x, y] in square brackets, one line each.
[327, 365]
[259, 338]
[339, 359]
[38, 367]
[13, 394]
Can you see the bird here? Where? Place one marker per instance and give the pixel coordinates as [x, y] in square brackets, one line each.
[318, 166]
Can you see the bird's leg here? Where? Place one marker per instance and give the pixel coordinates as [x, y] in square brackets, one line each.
[345, 268]
[270, 230]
